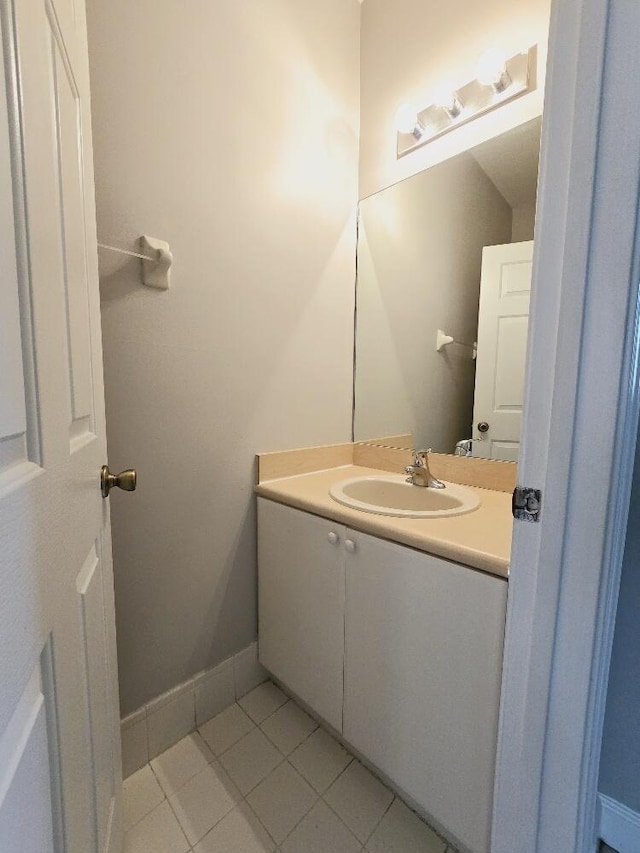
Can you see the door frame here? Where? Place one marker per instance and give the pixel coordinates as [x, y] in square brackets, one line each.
[583, 362]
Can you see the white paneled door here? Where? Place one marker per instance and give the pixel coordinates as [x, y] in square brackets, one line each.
[59, 741]
[503, 322]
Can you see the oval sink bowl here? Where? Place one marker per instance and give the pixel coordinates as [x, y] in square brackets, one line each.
[390, 494]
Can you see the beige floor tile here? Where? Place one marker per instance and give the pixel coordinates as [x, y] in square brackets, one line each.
[288, 727]
[203, 801]
[282, 800]
[226, 728]
[206, 812]
[141, 793]
[320, 759]
[321, 831]
[262, 701]
[251, 760]
[360, 799]
[402, 831]
[239, 832]
[158, 832]
[181, 762]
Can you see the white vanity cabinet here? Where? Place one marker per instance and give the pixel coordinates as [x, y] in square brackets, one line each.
[301, 605]
[398, 650]
[423, 664]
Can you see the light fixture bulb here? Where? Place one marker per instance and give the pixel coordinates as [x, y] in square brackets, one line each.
[492, 70]
[407, 121]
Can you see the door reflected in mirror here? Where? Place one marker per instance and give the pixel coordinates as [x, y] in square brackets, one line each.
[444, 277]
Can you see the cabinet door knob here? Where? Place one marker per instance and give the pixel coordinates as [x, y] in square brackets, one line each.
[350, 545]
[333, 538]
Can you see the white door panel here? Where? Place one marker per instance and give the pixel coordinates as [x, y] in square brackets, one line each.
[13, 337]
[59, 736]
[26, 779]
[503, 322]
[511, 354]
[68, 121]
[13, 416]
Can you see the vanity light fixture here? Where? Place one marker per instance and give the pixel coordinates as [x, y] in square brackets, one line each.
[407, 121]
[499, 80]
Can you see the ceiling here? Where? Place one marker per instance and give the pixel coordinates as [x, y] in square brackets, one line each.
[511, 162]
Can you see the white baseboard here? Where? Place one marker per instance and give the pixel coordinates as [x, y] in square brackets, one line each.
[619, 825]
[168, 718]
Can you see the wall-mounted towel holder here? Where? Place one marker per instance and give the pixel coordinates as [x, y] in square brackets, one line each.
[443, 340]
[156, 262]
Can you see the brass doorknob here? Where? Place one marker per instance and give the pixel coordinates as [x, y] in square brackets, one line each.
[125, 480]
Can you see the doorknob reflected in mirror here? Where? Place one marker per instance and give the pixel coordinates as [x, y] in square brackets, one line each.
[126, 480]
[483, 426]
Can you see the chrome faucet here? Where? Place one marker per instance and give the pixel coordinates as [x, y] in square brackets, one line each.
[419, 474]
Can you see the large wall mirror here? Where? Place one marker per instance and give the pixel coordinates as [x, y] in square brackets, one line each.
[444, 277]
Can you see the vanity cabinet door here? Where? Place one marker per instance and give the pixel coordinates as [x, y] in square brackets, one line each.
[301, 605]
[423, 662]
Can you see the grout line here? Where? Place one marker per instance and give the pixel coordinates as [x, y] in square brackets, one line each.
[343, 821]
[318, 796]
[268, 717]
[273, 744]
[146, 734]
[246, 734]
[374, 830]
[164, 796]
[275, 711]
[279, 764]
[179, 822]
[235, 804]
[340, 774]
[304, 739]
[235, 686]
[157, 778]
[257, 816]
[313, 805]
[318, 726]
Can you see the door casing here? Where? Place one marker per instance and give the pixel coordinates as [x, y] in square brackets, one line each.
[580, 429]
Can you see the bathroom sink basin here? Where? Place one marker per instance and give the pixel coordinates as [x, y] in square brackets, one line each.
[390, 494]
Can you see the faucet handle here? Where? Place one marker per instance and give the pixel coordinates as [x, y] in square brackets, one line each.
[420, 457]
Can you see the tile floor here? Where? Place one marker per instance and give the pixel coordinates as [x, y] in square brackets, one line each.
[260, 777]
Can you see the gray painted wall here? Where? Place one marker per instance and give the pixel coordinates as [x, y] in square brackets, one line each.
[231, 131]
[620, 758]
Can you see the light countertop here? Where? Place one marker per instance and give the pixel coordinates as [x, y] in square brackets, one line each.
[479, 539]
